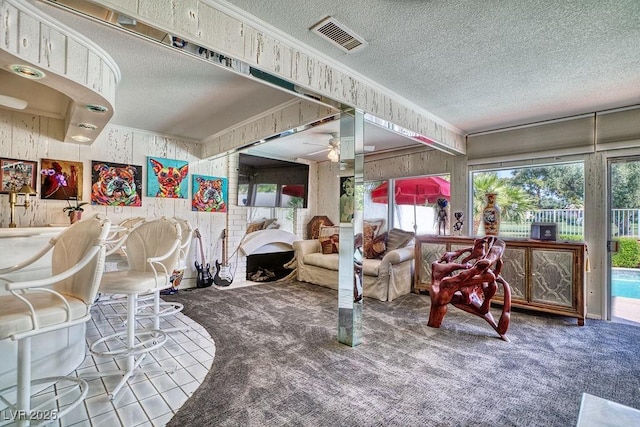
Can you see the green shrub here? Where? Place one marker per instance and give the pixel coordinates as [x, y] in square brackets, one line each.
[628, 255]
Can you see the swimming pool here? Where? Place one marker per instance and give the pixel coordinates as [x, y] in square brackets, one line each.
[625, 283]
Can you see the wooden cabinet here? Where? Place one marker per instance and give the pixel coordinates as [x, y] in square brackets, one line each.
[544, 276]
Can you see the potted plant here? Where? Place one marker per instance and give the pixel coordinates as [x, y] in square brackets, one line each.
[74, 211]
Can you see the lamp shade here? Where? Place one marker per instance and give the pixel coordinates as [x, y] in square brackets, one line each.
[27, 189]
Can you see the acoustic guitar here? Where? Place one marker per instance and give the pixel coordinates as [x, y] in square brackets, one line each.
[223, 275]
[204, 279]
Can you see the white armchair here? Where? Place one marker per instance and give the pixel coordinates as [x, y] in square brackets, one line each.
[62, 300]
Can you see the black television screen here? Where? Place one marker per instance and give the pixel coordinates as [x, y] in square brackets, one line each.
[265, 182]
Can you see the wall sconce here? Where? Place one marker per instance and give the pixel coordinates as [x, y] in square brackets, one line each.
[26, 191]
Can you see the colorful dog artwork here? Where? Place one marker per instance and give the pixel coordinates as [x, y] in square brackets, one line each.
[116, 184]
[209, 194]
[168, 178]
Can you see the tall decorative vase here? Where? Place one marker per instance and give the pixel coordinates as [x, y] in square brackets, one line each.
[491, 215]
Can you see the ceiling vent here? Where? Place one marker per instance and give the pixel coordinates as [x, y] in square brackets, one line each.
[339, 35]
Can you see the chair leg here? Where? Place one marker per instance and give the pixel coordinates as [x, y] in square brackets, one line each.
[22, 410]
[134, 351]
[158, 313]
[24, 378]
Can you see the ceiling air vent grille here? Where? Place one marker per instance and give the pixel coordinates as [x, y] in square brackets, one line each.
[339, 35]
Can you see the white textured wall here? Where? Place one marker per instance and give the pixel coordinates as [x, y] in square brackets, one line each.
[28, 137]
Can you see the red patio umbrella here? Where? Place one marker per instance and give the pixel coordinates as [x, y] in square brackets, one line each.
[294, 190]
[414, 191]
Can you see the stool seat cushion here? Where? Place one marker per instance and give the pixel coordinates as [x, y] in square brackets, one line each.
[15, 316]
[130, 282]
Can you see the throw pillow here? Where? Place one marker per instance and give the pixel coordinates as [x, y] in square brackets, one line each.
[397, 238]
[254, 226]
[313, 227]
[270, 223]
[329, 239]
[369, 232]
[378, 223]
[378, 247]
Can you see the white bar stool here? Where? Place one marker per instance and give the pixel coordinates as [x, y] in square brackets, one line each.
[152, 247]
[35, 307]
[159, 308]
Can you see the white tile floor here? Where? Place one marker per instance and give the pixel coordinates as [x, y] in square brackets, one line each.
[148, 399]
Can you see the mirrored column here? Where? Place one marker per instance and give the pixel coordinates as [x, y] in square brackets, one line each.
[350, 286]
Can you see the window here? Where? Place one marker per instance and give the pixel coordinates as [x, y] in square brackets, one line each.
[546, 193]
[414, 205]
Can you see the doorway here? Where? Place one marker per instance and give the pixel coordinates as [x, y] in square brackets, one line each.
[624, 240]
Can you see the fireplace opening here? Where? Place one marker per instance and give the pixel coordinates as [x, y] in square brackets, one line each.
[268, 267]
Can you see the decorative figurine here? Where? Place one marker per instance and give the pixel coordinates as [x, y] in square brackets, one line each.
[442, 216]
[459, 224]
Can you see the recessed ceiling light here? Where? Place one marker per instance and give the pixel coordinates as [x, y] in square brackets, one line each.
[26, 71]
[80, 138]
[90, 126]
[96, 108]
[11, 102]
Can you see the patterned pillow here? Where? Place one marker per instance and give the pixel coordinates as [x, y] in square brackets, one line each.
[271, 224]
[378, 223]
[329, 239]
[377, 247]
[313, 227]
[369, 233]
[397, 238]
[254, 226]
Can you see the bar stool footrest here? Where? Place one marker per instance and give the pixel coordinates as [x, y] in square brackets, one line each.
[147, 340]
[47, 410]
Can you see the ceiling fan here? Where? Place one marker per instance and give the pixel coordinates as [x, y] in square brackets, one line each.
[333, 148]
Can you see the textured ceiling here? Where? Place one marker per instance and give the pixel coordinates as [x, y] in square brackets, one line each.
[482, 64]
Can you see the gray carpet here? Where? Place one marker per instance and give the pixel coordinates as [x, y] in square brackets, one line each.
[278, 363]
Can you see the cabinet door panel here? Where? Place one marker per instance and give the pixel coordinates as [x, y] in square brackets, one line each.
[553, 275]
[430, 252]
[514, 271]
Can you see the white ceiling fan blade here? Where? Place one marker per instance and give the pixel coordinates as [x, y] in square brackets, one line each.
[318, 152]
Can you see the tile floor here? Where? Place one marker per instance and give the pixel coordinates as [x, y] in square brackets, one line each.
[148, 399]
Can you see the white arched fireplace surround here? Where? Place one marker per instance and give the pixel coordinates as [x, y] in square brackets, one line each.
[265, 244]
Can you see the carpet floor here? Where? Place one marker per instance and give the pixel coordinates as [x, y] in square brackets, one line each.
[278, 363]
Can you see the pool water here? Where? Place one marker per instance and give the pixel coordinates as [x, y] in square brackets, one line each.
[625, 284]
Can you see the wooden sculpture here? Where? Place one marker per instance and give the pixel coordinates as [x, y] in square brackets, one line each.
[468, 278]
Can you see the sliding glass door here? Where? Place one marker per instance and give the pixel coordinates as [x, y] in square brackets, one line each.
[623, 240]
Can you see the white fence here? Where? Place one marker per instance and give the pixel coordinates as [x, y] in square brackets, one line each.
[624, 222]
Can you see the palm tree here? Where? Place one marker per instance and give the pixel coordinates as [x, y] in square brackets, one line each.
[513, 201]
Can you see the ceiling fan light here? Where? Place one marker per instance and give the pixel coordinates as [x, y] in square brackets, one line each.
[333, 156]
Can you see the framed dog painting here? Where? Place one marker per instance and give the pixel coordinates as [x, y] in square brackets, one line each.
[116, 184]
[209, 194]
[15, 173]
[60, 180]
[167, 178]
